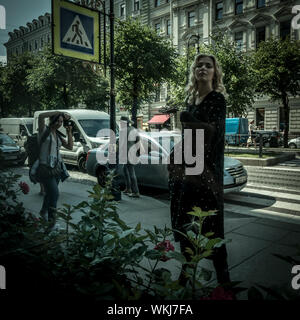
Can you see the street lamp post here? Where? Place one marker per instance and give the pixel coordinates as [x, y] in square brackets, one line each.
[196, 36]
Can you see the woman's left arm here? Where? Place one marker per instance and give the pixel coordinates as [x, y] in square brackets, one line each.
[69, 144]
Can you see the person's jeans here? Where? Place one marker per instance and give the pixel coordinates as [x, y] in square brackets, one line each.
[50, 198]
[130, 178]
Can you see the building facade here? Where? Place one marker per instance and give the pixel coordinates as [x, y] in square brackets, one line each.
[248, 23]
[31, 38]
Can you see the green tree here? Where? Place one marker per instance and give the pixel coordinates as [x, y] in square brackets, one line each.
[177, 94]
[17, 99]
[238, 75]
[277, 64]
[2, 104]
[64, 82]
[143, 61]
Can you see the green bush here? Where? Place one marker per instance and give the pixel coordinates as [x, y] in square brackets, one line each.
[99, 258]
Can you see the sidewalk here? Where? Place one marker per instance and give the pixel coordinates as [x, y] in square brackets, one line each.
[254, 240]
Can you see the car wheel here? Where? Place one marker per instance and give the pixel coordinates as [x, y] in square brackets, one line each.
[82, 164]
[101, 176]
[292, 146]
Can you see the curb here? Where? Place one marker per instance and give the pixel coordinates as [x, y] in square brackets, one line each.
[266, 162]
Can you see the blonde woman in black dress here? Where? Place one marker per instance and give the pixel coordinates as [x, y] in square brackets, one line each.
[206, 109]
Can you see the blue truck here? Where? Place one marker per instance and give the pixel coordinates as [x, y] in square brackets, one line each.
[236, 131]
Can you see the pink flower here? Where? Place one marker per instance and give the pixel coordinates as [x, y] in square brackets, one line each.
[24, 187]
[164, 246]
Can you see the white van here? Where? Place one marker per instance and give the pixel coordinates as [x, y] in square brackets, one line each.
[17, 128]
[86, 125]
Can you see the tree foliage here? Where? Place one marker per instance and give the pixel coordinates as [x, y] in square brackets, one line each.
[16, 98]
[277, 65]
[143, 61]
[64, 82]
[238, 75]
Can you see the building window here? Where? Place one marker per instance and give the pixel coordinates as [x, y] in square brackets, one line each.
[261, 3]
[48, 38]
[35, 44]
[136, 5]
[157, 28]
[156, 3]
[42, 42]
[17, 52]
[122, 10]
[260, 35]
[238, 6]
[191, 19]
[238, 38]
[285, 29]
[30, 47]
[219, 10]
[168, 27]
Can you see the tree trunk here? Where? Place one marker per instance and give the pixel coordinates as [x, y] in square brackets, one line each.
[286, 108]
[65, 97]
[134, 105]
[134, 111]
[30, 110]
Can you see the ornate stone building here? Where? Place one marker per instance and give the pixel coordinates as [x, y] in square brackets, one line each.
[31, 38]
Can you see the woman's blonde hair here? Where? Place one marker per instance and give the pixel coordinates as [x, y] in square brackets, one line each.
[192, 86]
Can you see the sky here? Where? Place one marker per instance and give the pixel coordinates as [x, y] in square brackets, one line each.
[18, 13]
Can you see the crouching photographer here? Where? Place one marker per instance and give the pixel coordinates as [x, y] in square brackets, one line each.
[51, 169]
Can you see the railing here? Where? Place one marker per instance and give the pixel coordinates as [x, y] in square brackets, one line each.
[262, 141]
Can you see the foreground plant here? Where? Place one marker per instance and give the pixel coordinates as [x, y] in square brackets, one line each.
[100, 257]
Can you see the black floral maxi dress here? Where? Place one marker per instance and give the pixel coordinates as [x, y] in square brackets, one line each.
[204, 190]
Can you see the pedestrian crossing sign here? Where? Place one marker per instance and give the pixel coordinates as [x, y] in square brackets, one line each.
[75, 31]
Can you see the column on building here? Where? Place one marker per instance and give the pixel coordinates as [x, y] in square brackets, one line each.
[271, 118]
[294, 120]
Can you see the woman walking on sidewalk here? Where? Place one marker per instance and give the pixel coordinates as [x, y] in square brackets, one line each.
[206, 110]
[51, 168]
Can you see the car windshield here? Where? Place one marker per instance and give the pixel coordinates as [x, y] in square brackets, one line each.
[30, 127]
[92, 126]
[6, 140]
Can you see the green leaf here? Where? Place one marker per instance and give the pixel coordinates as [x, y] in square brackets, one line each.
[177, 256]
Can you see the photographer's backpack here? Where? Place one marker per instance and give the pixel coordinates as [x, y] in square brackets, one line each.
[32, 148]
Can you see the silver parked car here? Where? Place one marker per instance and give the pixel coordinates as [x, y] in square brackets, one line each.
[156, 175]
[294, 143]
